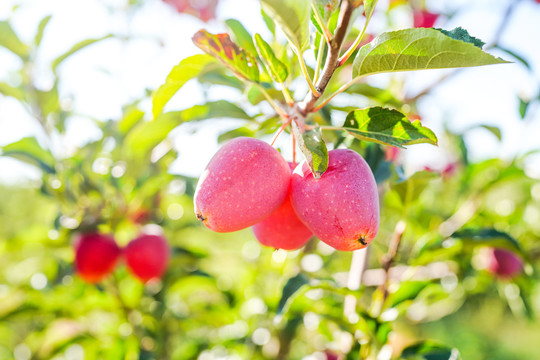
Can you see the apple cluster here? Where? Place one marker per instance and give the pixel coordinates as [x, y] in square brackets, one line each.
[97, 255]
[248, 183]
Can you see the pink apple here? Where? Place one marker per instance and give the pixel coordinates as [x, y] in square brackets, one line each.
[341, 207]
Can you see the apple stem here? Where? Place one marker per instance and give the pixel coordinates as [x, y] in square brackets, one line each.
[293, 150]
[280, 130]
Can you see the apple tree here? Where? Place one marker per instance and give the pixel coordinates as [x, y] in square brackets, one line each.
[327, 247]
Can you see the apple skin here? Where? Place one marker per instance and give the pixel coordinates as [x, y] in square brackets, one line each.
[147, 256]
[96, 256]
[341, 207]
[282, 229]
[244, 182]
[502, 263]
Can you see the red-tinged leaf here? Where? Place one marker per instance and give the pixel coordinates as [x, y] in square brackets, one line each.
[225, 50]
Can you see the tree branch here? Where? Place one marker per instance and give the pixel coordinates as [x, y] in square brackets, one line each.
[389, 257]
[332, 59]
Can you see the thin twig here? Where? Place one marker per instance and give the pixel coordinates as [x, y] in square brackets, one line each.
[280, 130]
[504, 23]
[359, 38]
[303, 67]
[293, 150]
[271, 101]
[326, 33]
[389, 257]
[319, 60]
[337, 92]
[287, 95]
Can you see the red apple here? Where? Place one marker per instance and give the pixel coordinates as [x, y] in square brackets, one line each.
[147, 256]
[501, 262]
[244, 182]
[424, 19]
[96, 256]
[341, 207]
[282, 229]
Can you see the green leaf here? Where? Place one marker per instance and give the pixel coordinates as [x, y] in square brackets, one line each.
[523, 106]
[140, 141]
[460, 33]
[383, 96]
[255, 95]
[145, 136]
[10, 40]
[314, 21]
[231, 134]
[411, 188]
[291, 287]
[41, 29]
[269, 126]
[376, 159]
[417, 49]
[277, 70]
[8, 90]
[132, 116]
[489, 237]
[186, 70]
[325, 8]
[215, 109]
[314, 149]
[387, 127]
[383, 330]
[214, 74]
[49, 102]
[28, 150]
[269, 22]
[516, 56]
[241, 36]
[408, 290]
[76, 48]
[292, 16]
[492, 129]
[225, 50]
[430, 350]
[369, 7]
[329, 4]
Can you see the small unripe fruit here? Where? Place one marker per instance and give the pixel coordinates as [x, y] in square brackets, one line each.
[501, 262]
[282, 229]
[244, 182]
[341, 207]
[96, 256]
[147, 256]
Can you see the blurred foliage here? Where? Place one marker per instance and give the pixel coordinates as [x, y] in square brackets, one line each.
[224, 295]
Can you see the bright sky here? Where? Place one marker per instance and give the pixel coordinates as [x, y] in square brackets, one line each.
[106, 76]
